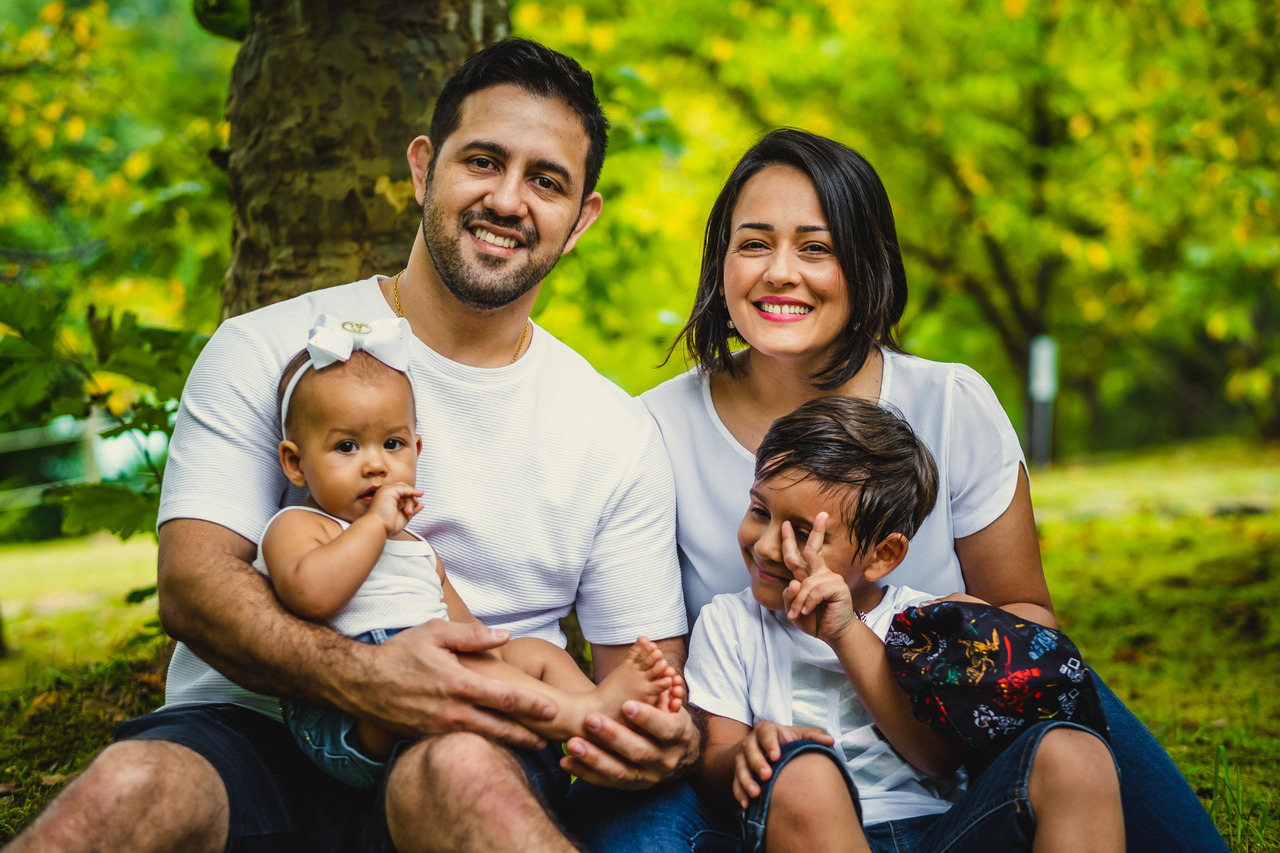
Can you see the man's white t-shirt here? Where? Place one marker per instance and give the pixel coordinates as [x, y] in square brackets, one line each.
[951, 408]
[750, 664]
[545, 487]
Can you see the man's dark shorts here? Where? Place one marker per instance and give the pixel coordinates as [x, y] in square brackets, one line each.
[281, 802]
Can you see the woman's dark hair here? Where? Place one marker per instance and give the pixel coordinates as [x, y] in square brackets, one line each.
[541, 72]
[862, 235]
[869, 456]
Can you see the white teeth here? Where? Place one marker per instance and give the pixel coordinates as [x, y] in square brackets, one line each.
[494, 239]
[789, 308]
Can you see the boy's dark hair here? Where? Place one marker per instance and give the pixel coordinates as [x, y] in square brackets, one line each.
[871, 457]
[541, 72]
[863, 237]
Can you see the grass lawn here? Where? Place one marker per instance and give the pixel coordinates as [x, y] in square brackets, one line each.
[1165, 569]
[63, 602]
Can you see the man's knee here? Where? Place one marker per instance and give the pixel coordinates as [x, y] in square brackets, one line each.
[478, 796]
[461, 762]
[151, 783]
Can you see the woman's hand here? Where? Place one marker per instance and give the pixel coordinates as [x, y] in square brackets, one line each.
[753, 761]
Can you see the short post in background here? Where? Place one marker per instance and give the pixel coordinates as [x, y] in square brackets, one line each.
[1042, 387]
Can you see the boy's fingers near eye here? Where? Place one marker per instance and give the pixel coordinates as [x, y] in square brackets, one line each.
[791, 555]
[813, 545]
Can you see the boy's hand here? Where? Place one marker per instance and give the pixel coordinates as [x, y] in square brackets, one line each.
[394, 504]
[818, 601]
[758, 749]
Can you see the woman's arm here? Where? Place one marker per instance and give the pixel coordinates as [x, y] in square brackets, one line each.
[1001, 563]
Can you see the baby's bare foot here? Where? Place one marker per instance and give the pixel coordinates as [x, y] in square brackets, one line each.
[643, 676]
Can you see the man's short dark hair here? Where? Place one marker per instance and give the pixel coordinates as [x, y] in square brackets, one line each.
[541, 72]
[885, 476]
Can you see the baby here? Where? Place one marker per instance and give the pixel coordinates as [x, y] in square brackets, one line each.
[347, 559]
[796, 685]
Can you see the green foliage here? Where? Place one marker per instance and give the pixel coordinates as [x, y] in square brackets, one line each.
[1106, 174]
[113, 225]
[106, 506]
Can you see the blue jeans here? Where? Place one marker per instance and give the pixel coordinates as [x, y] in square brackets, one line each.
[993, 814]
[325, 735]
[1161, 812]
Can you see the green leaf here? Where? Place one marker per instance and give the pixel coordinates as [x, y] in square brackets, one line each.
[106, 506]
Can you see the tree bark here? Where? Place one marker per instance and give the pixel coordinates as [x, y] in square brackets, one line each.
[324, 99]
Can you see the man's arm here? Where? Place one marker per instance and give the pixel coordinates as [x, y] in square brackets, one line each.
[213, 600]
[658, 746]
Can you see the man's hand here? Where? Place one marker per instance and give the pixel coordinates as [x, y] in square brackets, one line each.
[418, 687]
[753, 761]
[655, 746]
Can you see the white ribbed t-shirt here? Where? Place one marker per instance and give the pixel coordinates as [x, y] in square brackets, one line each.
[545, 487]
[951, 408]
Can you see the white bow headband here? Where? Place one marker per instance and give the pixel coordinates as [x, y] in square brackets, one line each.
[333, 340]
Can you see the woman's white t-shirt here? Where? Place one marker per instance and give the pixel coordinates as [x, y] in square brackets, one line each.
[951, 408]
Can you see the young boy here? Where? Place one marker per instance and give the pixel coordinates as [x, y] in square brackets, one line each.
[806, 728]
[346, 559]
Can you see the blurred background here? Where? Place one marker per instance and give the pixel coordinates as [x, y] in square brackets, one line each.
[1085, 194]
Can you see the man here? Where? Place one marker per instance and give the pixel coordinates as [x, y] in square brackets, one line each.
[545, 488]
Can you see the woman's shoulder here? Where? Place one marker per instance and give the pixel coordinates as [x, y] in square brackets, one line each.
[676, 392]
[679, 400]
[911, 378]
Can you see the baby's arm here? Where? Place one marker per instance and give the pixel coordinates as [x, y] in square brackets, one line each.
[316, 567]
[820, 603]
[736, 757]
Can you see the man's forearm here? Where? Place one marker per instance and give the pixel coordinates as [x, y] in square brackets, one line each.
[213, 600]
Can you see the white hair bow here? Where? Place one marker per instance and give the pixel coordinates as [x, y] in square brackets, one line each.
[333, 340]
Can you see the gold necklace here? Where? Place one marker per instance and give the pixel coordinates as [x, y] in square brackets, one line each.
[395, 295]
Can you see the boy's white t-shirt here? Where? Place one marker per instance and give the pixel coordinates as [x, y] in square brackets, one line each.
[951, 408]
[750, 664]
[545, 486]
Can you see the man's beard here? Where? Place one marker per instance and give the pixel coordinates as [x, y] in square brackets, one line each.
[484, 284]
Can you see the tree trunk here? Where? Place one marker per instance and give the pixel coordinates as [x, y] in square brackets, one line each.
[324, 99]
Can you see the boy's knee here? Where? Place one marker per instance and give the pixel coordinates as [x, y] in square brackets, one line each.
[808, 784]
[1069, 759]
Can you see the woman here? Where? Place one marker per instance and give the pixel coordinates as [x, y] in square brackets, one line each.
[801, 264]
